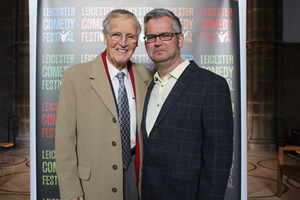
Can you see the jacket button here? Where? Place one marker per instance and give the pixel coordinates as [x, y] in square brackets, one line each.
[114, 143]
[114, 190]
[114, 120]
[115, 167]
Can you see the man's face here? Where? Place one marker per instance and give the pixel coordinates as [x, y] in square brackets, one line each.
[119, 52]
[163, 52]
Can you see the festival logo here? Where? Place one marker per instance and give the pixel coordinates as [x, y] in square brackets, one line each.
[216, 25]
[58, 25]
[92, 23]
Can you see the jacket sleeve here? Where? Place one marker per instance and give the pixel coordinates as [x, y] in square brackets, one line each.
[65, 142]
[217, 147]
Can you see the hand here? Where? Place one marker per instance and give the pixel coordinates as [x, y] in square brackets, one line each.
[78, 198]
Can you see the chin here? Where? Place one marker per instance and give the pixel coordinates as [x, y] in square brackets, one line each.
[124, 60]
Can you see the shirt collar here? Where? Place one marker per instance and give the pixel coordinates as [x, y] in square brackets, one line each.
[114, 71]
[175, 73]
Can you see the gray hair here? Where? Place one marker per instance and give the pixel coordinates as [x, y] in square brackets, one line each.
[120, 13]
[161, 12]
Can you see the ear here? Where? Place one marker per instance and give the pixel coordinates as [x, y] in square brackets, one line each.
[181, 40]
[105, 39]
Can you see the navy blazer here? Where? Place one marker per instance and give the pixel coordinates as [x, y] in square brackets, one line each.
[188, 154]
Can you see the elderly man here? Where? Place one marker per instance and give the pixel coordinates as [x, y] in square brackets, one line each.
[187, 123]
[100, 109]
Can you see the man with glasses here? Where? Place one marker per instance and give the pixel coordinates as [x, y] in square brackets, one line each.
[187, 121]
[98, 135]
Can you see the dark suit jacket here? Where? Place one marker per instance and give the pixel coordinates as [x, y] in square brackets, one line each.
[188, 154]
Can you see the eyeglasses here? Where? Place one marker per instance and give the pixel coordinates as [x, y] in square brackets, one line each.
[162, 36]
[118, 36]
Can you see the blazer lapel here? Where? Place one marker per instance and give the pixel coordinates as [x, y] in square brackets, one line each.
[143, 125]
[141, 84]
[183, 81]
[100, 83]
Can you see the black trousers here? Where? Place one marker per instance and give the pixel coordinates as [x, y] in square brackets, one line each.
[129, 182]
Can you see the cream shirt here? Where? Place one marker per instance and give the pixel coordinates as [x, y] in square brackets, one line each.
[160, 93]
[130, 95]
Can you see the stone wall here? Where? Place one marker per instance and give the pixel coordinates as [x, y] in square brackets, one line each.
[14, 67]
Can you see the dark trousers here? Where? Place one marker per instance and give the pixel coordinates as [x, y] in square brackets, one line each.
[129, 182]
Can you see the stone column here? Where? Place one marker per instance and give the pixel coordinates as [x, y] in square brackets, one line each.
[6, 68]
[20, 46]
[264, 62]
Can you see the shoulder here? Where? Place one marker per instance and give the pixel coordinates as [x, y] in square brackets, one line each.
[84, 69]
[141, 70]
[204, 80]
[204, 74]
[81, 67]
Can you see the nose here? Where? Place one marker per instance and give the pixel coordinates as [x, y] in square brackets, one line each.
[157, 41]
[123, 41]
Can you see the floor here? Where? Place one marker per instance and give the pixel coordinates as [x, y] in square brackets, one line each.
[262, 176]
[15, 175]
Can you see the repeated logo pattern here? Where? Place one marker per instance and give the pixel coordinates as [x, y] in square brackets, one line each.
[124, 120]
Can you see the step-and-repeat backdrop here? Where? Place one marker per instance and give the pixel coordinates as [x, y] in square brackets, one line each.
[65, 33]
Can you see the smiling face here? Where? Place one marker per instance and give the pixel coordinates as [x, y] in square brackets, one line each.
[119, 52]
[163, 53]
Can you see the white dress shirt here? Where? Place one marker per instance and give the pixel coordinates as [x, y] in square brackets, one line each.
[130, 95]
[160, 92]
